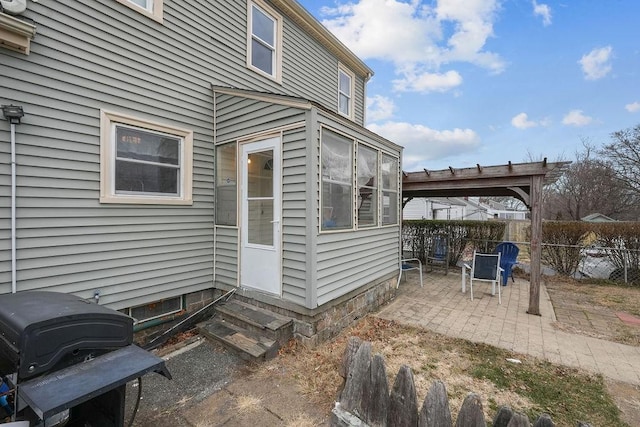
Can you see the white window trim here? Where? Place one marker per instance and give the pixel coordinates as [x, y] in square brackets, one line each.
[379, 155]
[107, 161]
[353, 142]
[277, 68]
[396, 191]
[342, 69]
[156, 12]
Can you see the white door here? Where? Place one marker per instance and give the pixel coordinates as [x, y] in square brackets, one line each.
[260, 257]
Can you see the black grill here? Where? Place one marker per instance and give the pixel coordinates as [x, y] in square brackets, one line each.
[60, 352]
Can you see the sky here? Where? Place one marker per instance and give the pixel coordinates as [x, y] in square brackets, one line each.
[465, 82]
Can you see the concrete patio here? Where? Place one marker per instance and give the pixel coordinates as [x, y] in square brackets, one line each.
[442, 307]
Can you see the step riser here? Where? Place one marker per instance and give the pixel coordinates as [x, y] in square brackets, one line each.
[281, 335]
[248, 348]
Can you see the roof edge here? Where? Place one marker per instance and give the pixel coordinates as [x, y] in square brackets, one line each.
[308, 22]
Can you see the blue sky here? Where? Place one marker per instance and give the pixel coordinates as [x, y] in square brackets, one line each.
[460, 82]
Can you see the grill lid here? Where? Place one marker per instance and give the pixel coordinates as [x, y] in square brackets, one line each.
[43, 331]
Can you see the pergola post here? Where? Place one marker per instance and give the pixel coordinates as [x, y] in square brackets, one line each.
[536, 247]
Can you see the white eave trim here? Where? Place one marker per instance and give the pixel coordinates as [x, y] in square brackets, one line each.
[16, 34]
[303, 18]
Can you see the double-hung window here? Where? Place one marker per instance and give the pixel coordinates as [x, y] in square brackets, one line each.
[345, 92]
[144, 162]
[367, 179]
[264, 40]
[151, 8]
[337, 181]
[390, 190]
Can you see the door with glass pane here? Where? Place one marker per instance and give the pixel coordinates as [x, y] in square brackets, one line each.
[260, 257]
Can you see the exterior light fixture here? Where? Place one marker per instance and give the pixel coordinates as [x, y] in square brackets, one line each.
[13, 113]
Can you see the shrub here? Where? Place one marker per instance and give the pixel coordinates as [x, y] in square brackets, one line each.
[481, 235]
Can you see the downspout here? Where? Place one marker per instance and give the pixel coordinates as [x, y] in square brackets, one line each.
[13, 113]
[13, 208]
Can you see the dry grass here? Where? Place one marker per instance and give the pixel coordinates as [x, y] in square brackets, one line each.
[461, 365]
[246, 404]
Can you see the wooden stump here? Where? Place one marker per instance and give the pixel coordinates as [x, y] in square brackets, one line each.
[544, 420]
[503, 417]
[519, 420]
[403, 402]
[377, 405]
[358, 381]
[435, 410]
[471, 414]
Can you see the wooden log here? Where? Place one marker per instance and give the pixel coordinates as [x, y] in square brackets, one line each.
[353, 344]
[376, 407]
[519, 420]
[471, 414]
[544, 420]
[503, 417]
[358, 381]
[435, 410]
[403, 402]
[342, 418]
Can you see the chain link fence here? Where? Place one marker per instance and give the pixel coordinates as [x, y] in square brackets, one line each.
[618, 265]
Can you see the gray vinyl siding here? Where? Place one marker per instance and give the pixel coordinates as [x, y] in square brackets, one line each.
[348, 260]
[90, 55]
[226, 262]
[295, 222]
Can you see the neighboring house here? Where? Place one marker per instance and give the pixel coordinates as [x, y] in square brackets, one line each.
[173, 150]
[455, 208]
[597, 217]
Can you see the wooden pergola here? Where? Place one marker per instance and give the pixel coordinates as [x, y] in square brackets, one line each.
[523, 181]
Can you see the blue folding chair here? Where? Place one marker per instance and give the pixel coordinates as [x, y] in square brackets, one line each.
[508, 258]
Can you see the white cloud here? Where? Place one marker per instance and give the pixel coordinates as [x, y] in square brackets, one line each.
[427, 82]
[596, 64]
[633, 107]
[544, 11]
[576, 118]
[415, 36]
[422, 144]
[379, 108]
[521, 121]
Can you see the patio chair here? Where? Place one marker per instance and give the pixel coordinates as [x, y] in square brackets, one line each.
[411, 256]
[486, 268]
[508, 258]
[409, 264]
[438, 254]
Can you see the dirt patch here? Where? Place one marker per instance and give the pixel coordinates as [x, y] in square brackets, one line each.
[591, 309]
[627, 398]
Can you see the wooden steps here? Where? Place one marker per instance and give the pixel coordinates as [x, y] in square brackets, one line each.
[253, 332]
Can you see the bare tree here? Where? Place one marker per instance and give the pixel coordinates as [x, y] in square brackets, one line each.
[589, 185]
[624, 154]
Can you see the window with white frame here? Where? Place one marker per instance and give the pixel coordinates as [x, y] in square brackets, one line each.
[345, 92]
[390, 189]
[367, 179]
[226, 184]
[264, 40]
[151, 8]
[337, 181]
[144, 162]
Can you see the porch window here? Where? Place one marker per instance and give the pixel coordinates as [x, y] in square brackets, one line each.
[226, 185]
[367, 178]
[265, 29]
[151, 8]
[390, 189]
[345, 92]
[337, 181]
[144, 162]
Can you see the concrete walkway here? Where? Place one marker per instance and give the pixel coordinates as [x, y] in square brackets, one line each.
[442, 307]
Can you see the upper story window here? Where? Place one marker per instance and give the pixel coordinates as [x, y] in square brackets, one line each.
[144, 162]
[151, 8]
[264, 40]
[345, 92]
